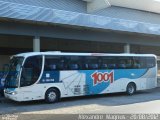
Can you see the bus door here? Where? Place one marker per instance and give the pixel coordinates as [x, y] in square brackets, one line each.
[30, 75]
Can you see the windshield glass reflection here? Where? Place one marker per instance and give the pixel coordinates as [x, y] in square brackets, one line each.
[11, 80]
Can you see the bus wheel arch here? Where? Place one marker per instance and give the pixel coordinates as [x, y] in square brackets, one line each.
[131, 88]
[52, 95]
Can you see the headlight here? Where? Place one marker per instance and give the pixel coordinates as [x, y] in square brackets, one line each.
[10, 92]
[14, 93]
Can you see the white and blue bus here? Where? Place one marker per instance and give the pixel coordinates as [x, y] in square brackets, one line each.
[54, 75]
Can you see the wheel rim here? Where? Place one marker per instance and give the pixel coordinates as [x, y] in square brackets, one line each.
[52, 96]
[131, 89]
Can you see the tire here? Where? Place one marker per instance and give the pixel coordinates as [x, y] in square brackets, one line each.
[52, 95]
[131, 89]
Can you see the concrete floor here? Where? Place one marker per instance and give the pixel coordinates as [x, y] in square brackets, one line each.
[141, 102]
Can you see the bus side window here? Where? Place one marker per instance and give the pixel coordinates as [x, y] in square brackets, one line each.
[136, 64]
[112, 66]
[53, 66]
[47, 66]
[140, 62]
[122, 64]
[91, 63]
[125, 62]
[151, 62]
[109, 62]
[86, 66]
[93, 66]
[73, 62]
[104, 66]
[73, 66]
[51, 63]
[129, 63]
[61, 64]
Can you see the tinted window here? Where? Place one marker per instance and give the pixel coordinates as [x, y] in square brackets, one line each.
[73, 62]
[109, 63]
[102, 63]
[54, 63]
[144, 62]
[125, 62]
[139, 62]
[90, 63]
[94, 63]
[151, 62]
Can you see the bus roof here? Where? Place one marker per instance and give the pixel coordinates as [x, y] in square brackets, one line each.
[80, 54]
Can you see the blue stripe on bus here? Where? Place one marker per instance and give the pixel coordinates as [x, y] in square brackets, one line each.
[54, 76]
[118, 74]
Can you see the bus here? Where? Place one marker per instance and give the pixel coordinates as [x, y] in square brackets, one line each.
[50, 76]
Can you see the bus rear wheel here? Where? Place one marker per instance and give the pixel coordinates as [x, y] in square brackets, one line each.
[52, 95]
[131, 89]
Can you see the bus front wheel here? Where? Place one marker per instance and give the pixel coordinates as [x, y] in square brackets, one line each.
[131, 88]
[52, 95]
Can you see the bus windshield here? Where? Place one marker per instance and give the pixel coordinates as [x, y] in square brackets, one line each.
[12, 78]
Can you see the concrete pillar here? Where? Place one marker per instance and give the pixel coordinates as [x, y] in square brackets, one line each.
[36, 44]
[127, 48]
[95, 5]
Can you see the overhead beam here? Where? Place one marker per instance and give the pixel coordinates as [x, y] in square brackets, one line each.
[77, 34]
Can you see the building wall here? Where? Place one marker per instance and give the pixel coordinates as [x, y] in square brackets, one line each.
[145, 49]
[80, 46]
[12, 41]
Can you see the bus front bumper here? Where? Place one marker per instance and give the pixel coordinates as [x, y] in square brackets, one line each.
[12, 96]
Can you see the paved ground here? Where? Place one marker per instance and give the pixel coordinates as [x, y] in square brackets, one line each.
[142, 102]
